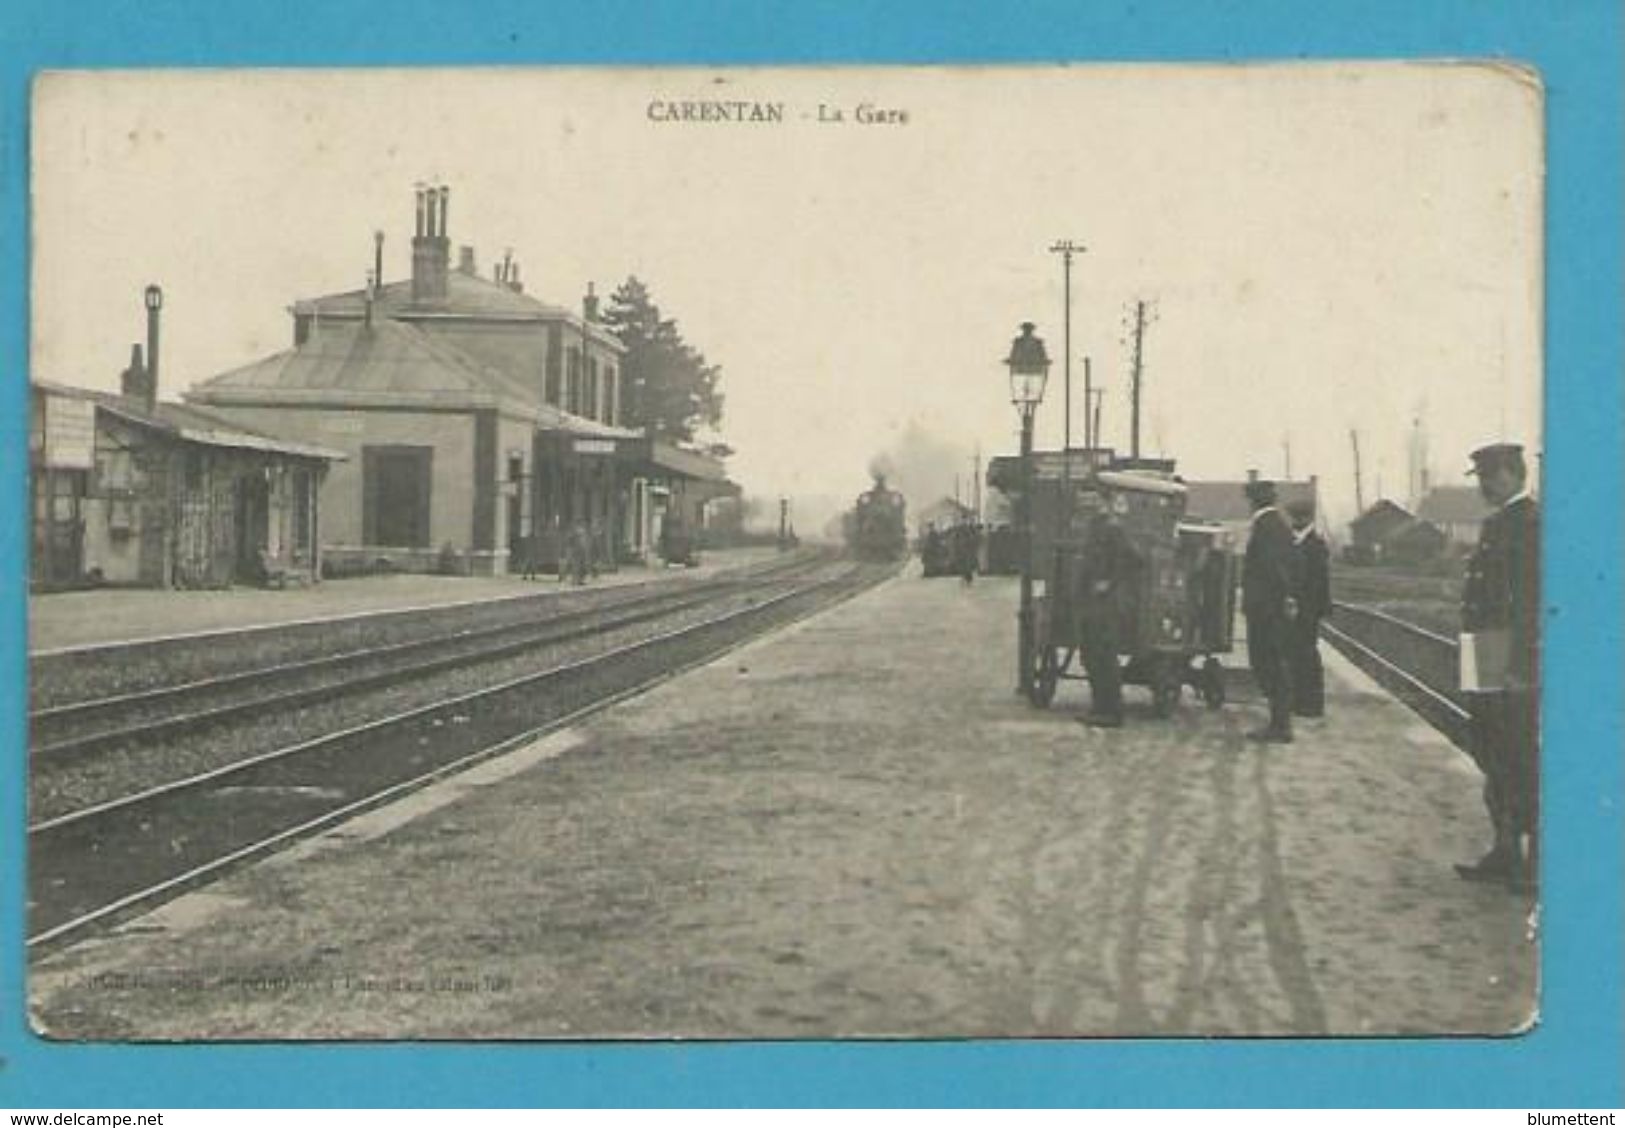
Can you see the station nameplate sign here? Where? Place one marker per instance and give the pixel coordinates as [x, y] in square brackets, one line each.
[70, 433]
[594, 446]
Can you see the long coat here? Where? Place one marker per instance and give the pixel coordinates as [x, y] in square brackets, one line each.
[1314, 577]
[1503, 582]
[1270, 566]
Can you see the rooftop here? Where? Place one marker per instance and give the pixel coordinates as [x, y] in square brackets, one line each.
[387, 363]
[188, 423]
[1453, 505]
[467, 296]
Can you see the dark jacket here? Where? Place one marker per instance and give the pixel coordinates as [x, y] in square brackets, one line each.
[1503, 582]
[1268, 570]
[1107, 564]
[1313, 579]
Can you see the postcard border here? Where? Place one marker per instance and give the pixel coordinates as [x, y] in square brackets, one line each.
[1572, 1059]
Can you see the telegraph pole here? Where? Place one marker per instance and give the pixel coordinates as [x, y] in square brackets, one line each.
[1134, 391]
[1090, 438]
[1359, 490]
[1066, 248]
[976, 482]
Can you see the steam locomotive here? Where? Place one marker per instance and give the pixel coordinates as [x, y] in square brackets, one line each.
[876, 526]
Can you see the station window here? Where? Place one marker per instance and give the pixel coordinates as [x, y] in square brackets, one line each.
[550, 379]
[115, 471]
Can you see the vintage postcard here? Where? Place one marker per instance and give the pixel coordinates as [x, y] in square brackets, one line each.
[785, 553]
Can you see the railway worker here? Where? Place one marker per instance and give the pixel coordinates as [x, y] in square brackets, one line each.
[578, 551]
[1106, 568]
[1500, 621]
[1314, 596]
[1268, 602]
[965, 546]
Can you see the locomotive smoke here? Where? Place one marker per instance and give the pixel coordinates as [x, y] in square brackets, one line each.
[882, 469]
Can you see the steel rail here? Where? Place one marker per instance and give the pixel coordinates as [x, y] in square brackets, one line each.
[566, 626]
[1360, 609]
[334, 742]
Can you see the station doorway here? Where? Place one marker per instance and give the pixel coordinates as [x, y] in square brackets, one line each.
[395, 496]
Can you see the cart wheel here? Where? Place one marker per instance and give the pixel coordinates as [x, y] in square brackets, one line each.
[1213, 683]
[1046, 675]
[1165, 687]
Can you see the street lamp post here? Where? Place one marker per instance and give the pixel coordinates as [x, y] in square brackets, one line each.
[1029, 370]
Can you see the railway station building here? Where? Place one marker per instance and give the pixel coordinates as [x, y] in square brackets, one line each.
[129, 491]
[480, 424]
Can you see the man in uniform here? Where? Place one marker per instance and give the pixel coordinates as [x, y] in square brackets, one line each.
[965, 551]
[1500, 622]
[1313, 590]
[1268, 602]
[1106, 569]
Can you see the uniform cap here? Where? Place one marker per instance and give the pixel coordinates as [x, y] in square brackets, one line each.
[1494, 456]
[1303, 507]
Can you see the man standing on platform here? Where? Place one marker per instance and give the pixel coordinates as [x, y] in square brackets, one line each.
[1500, 622]
[1106, 568]
[1269, 605]
[1314, 594]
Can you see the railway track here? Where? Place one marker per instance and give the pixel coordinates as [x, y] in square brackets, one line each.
[1416, 665]
[80, 728]
[97, 864]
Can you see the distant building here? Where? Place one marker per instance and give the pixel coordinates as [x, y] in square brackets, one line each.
[1225, 502]
[943, 512]
[130, 491]
[1414, 542]
[1368, 531]
[481, 424]
[1458, 511]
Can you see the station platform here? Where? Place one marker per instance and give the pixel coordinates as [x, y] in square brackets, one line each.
[105, 616]
[854, 828]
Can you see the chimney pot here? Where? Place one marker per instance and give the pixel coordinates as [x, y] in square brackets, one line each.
[465, 260]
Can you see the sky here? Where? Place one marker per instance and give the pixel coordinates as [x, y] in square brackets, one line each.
[1326, 248]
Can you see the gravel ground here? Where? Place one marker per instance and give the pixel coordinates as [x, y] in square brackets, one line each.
[1430, 601]
[58, 788]
[333, 617]
[855, 829]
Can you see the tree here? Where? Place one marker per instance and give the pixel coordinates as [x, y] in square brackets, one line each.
[670, 389]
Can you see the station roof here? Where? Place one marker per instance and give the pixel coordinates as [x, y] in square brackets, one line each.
[686, 463]
[467, 296]
[387, 364]
[1453, 505]
[190, 424]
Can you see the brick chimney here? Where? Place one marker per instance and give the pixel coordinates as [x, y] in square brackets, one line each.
[589, 305]
[133, 380]
[431, 249]
[465, 260]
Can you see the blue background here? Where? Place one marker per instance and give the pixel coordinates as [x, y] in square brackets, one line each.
[1573, 1059]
